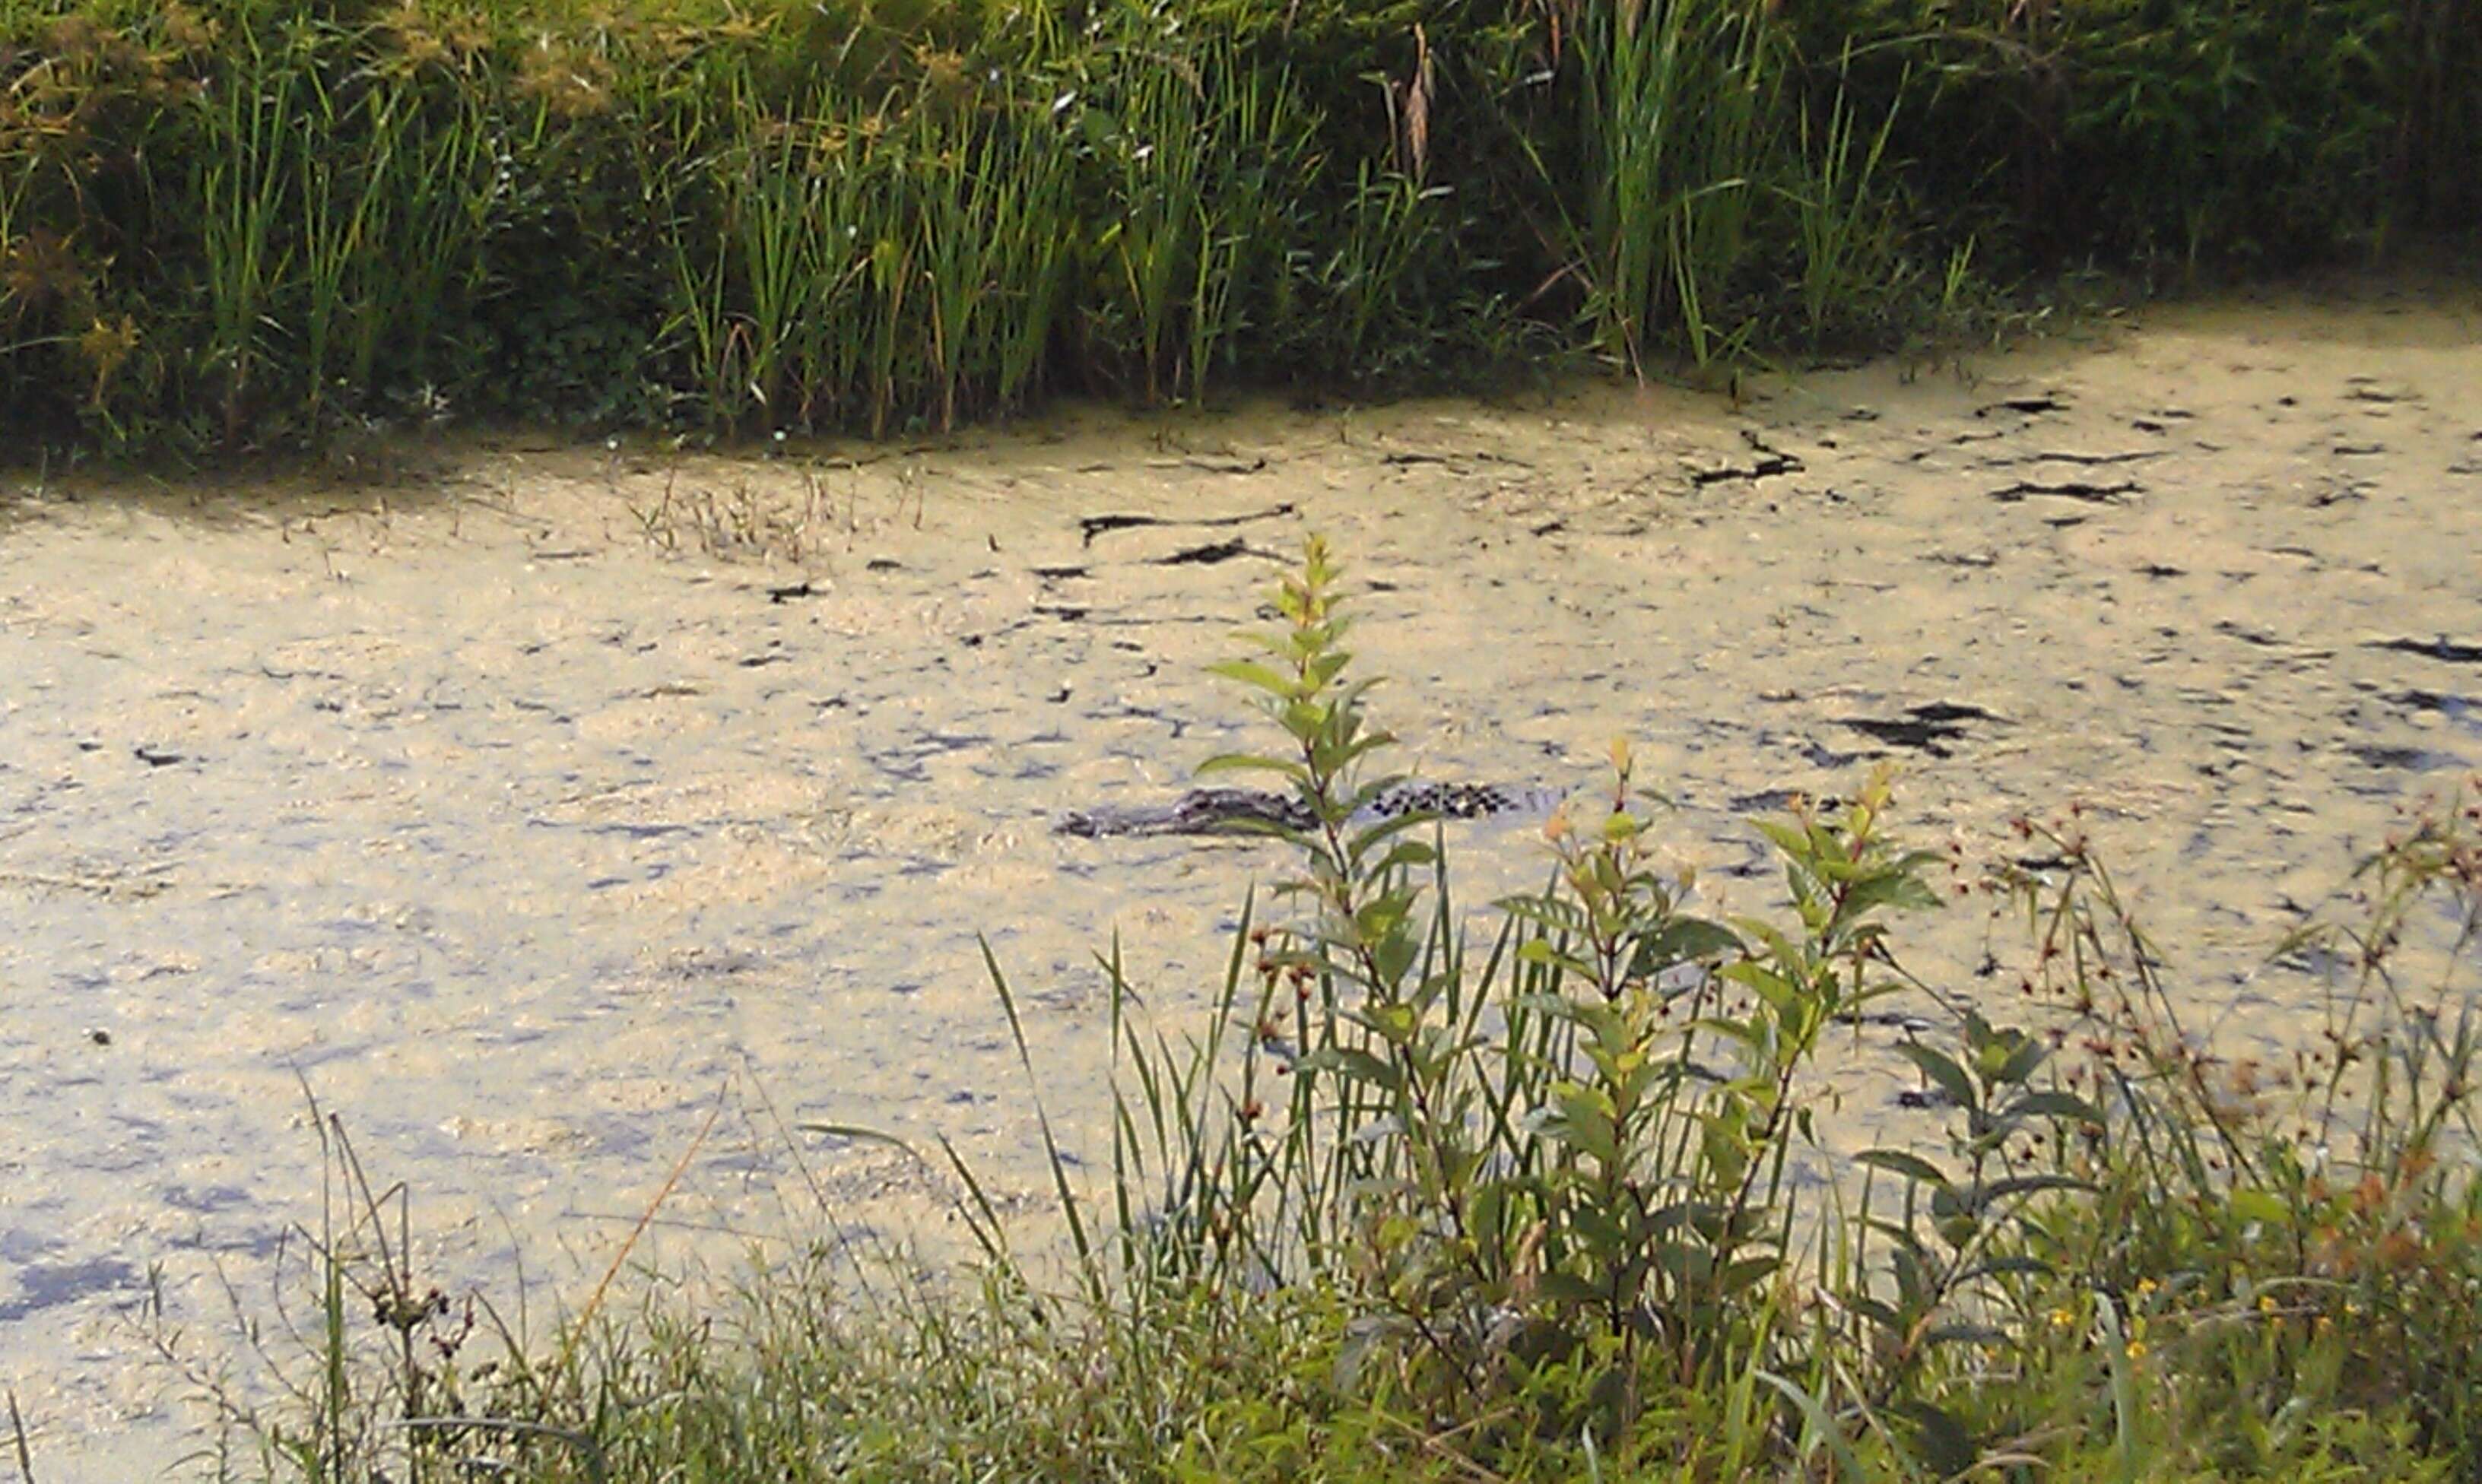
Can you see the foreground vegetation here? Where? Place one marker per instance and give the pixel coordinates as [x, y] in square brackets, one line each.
[244, 224]
[1562, 1205]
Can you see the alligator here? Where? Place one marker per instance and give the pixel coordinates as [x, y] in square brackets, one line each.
[1212, 811]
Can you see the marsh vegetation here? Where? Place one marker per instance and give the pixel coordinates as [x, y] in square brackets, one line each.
[262, 223]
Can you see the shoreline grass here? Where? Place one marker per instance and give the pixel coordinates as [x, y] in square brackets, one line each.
[1534, 1208]
[246, 224]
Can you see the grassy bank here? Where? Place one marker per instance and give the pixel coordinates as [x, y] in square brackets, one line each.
[1557, 1202]
[242, 224]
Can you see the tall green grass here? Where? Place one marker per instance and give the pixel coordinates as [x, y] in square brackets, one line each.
[1675, 106]
[246, 224]
[249, 175]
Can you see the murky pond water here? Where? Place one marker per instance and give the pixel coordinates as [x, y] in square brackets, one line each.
[521, 840]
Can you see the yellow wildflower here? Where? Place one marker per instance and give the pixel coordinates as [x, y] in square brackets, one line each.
[106, 346]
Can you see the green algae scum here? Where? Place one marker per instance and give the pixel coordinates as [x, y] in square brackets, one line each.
[527, 812]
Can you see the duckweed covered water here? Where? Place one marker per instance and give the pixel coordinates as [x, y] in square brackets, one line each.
[525, 810]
